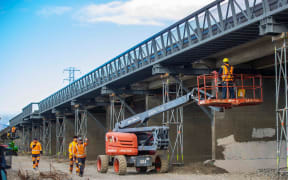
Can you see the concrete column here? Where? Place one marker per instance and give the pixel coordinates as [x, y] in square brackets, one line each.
[216, 117]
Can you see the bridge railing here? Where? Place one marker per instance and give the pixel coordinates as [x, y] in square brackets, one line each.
[216, 19]
[16, 120]
[30, 109]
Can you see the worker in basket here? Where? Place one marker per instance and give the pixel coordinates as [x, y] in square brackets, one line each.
[36, 149]
[72, 153]
[226, 72]
[13, 132]
[81, 155]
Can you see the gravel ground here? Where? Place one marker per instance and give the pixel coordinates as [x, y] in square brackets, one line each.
[197, 171]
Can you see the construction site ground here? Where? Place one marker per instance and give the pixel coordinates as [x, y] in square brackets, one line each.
[234, 170]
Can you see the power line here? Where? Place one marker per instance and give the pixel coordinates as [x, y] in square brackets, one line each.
[71, 74]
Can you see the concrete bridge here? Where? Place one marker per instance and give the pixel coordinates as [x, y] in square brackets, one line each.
[166, 63]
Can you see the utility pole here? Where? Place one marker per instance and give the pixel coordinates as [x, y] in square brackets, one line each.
[71, 74]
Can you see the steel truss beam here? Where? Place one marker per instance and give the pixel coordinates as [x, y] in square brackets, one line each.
[60, 136]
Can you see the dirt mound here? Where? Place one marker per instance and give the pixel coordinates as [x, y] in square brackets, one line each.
[198, 168]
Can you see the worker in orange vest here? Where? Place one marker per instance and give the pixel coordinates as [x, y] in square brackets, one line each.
[36, 149]
[81, 155]
[72, 153]
[13, 131]
[226, 72]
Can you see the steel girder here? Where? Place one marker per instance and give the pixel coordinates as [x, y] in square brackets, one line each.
[211, 23]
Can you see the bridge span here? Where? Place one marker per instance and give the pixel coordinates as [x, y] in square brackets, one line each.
[162, 67]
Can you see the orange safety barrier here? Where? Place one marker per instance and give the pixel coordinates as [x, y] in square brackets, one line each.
[247, 90]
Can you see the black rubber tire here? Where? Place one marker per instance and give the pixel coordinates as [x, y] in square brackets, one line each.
[141, 169]
[161, 164]
[103, 162]
[122, 165]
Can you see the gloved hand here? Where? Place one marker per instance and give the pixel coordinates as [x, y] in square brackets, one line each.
[41, 152]
[33, 145]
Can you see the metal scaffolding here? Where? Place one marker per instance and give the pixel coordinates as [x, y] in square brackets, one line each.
[26, 131]
[81, 123]
[117, 111]
[60, 136]
[37, 131]
[281, 89]
[47, 125]
[174, 120]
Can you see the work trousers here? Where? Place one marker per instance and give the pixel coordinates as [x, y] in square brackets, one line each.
[230, 89]
[35, 159]
[72, 161]
[81, 165]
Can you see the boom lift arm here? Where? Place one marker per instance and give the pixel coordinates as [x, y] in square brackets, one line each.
[142, 118]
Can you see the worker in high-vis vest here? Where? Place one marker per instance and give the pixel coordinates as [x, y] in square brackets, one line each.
[72, 153]
[13, 131]
[226, 72]
[36, 150]
[81, 155]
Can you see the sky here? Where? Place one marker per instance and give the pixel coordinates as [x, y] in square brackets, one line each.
[40, 38]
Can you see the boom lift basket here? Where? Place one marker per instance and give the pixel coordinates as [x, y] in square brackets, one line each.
[247, 90]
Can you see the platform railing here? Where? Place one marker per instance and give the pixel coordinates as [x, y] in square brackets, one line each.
[246, 89]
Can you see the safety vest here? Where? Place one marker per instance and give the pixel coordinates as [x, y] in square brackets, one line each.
[72, 148]
[81, 150]
[13, 129]
[37, 148]
[227, 72]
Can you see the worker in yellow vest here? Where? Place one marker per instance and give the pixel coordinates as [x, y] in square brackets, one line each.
[81, 155]
[36, 150]
[72, 153]
[226, 72]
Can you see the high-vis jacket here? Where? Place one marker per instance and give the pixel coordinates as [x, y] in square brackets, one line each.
[36, 147]
[227, 72]
[13, 129]
[72, 148]
[81, 150]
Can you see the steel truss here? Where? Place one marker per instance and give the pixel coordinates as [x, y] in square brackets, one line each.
[117, 111]
[37, 131]
[60, 136]
[281, 73]
[81, 123]
[174, 120]
[25, 138]
[47, 125]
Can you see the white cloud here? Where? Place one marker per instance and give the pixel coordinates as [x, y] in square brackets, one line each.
[139, 12]
[53, 10]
